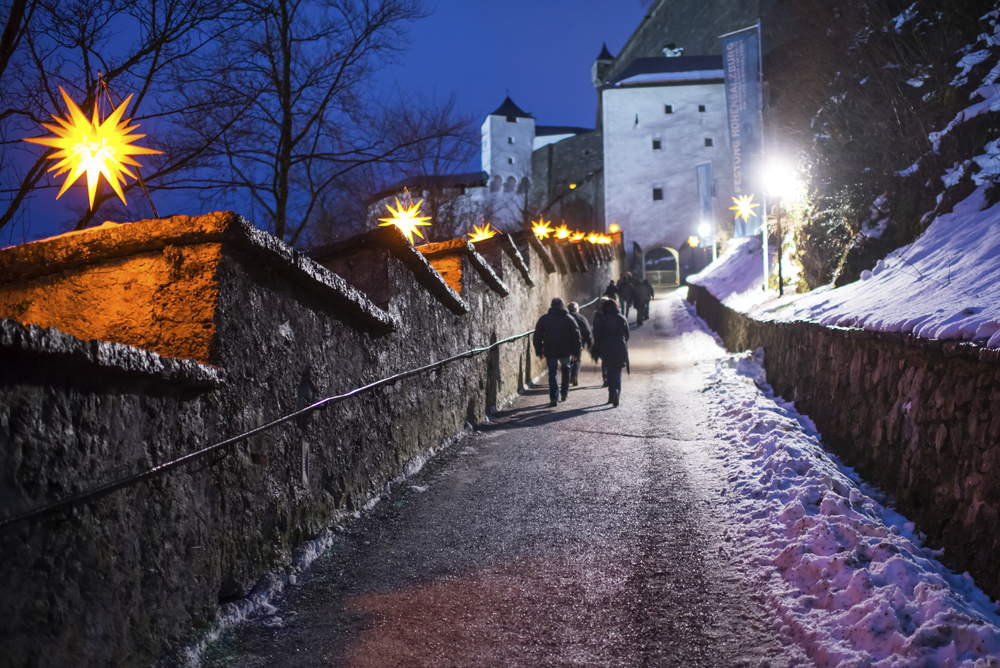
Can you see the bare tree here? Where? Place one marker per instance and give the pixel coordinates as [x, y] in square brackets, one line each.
[99, 52]
[297, 114]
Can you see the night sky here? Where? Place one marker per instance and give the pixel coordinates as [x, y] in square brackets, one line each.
[541, 51]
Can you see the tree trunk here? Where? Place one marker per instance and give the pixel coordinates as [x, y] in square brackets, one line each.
[284, 162]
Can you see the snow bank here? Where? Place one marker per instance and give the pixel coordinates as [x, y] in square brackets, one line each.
[945, 285]
[737, 277]
[846, 576]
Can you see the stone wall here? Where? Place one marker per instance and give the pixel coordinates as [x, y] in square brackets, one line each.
[919, 418]
[119, 580]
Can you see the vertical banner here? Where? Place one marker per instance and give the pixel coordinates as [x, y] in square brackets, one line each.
[744, 103]
[706, 212]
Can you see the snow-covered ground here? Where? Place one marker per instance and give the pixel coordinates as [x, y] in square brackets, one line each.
[845, 575]
[945, 285]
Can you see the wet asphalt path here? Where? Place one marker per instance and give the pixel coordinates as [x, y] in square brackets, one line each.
[571, 536]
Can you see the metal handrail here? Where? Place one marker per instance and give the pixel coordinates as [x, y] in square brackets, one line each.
[156, 471]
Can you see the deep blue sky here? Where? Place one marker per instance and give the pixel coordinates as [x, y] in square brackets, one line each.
[539, 50]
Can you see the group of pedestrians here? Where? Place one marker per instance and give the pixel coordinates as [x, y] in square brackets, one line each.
[630, 292]
[561, 336]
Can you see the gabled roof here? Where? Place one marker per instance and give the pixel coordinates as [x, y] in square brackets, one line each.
[510, 110]
[605, 54]
[546, 130]
[681, 68]
[429, 181]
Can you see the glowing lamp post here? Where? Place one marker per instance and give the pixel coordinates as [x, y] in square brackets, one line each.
[93, 147]
[779, 180]
[406, 218]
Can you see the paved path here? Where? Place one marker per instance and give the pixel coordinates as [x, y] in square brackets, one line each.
[573, 536]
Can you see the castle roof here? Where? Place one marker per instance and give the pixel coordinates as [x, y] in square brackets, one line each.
[432, 181]
[510, 110]
[666, 70]
[605, 54]
[546, 130]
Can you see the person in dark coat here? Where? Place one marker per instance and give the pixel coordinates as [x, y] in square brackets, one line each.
[595, 354]
[611, 340]
[626, 290]
[557, 339]
[586, 336]
[640, 299]
[611, 292]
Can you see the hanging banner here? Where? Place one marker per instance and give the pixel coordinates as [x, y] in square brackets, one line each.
[706, 212]
[744, 102]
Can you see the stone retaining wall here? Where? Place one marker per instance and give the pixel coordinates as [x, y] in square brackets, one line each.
[919, 418]
[173, 368]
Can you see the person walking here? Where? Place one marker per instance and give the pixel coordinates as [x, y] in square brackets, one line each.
[640, 299]
[611, 292]
[626, 290]
[611, 340]
[586, 337]
[557, 339]
[595, 353]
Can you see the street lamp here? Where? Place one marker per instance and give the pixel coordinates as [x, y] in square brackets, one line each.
[780, 180]
[705, 230]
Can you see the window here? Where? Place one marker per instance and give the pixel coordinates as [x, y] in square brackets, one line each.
[512, 119]
[657, 143]
[496, 184]
[701, 107]
[510, 184]
[657, 193]
[510, 140]
[708, 141]
[668, 108]
[510, 161]
[523, 186]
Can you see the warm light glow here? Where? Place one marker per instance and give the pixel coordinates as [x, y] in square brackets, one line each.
[577, 236]
[93, 147]
[406, 218]
[572, 186]
[693, 242]
[604, 239]
[744, 207]
[562, 232]
[614, 228]
[593, 238]
[482, 233]
[541, 228]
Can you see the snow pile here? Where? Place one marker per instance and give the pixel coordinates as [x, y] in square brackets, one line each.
[736, 278]
[846, 576]
[945, 285]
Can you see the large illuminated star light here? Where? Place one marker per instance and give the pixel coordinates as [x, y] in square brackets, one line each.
[541, 228]
[406, 218]
[482, 233]
[744, 207]
[93, 147]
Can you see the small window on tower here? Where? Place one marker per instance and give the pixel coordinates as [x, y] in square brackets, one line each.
[657, 193]
[510, 140]
[510, 161]
[657, 143]
[701, 107]
[708, 141]
[668, 108]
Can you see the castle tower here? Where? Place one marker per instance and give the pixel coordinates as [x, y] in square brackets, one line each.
[601, 66]
[508, 138]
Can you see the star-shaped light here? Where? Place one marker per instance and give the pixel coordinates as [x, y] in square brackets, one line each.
[593, 238]
[562, 232]
[603, 239]
[482, 233]
[93, 147]
[577, 237]
[744, 207]
[614, 228]
[541, 228]
[406, 218]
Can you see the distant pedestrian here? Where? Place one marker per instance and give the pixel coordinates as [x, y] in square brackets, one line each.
[641, 298]
[611, 340]
[586, 336]
[557, 339]
[595, 353]
[611, 292]
[626, 290]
